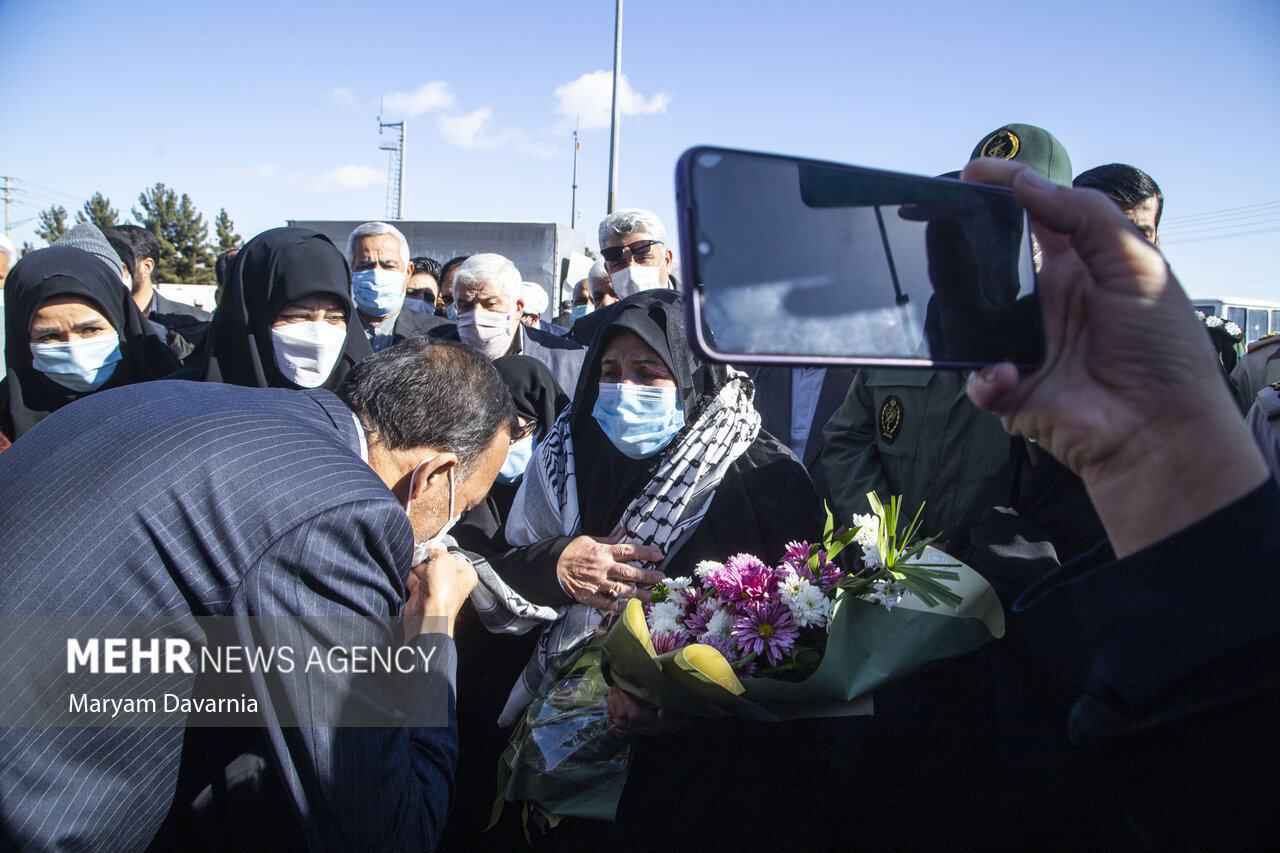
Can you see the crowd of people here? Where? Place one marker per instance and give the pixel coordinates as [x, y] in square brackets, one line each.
[375, 448]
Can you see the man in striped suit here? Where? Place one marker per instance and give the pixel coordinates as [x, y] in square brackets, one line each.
[278, 520]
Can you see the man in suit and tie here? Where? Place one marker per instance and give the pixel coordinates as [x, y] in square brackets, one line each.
[794, 404]
[265, 519]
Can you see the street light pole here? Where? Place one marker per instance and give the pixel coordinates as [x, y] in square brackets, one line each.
[613, 135]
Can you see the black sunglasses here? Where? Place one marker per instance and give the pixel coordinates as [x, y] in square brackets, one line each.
[638, 249]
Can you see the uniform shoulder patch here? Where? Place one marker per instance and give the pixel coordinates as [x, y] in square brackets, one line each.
[1003, 144]
[890, 419]
[1269, 339]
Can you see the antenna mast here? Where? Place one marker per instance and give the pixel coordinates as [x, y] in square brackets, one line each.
[395, 168]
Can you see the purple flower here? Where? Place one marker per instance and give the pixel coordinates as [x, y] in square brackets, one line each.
[669, 641]
[770, 631]
[748, 584]
[797, 558]
[727, 646]
[696, 622]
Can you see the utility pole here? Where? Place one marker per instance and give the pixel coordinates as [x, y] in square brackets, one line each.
[613, 134]
[573, 213]
[6, 204]
[395, 169]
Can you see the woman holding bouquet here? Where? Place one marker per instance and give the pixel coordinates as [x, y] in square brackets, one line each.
[658, 464]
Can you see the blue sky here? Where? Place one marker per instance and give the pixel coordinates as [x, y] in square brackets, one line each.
[269, 109]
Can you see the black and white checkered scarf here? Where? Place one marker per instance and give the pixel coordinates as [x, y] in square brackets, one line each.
[664, 514]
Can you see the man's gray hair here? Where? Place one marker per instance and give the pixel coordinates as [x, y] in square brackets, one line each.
[373, 229]
[598, 273]
[490, 268]
[632, 220]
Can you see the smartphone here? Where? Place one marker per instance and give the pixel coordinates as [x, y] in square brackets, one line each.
[794, 261]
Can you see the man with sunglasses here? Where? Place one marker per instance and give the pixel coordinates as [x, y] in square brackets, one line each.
[633, 243]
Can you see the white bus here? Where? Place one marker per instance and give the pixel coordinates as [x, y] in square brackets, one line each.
[1256, 316]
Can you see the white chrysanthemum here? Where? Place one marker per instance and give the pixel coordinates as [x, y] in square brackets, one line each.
[720, 623]
[664, 617]
[871, 557]
[888, 593]
[868, 530]
[706, 569]
[810, 608]
[790, 586]
[677, 583]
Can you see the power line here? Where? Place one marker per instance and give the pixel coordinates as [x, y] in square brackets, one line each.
[1226, 211]
[1194, 239]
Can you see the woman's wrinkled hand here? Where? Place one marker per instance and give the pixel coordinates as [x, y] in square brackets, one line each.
[596, 572]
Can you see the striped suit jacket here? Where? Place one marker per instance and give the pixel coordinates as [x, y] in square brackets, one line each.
[208, 500]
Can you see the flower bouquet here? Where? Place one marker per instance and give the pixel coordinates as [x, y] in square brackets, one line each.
[805, 637]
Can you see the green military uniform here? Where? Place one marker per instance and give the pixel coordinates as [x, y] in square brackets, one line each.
[912, 433]
[1258, 369]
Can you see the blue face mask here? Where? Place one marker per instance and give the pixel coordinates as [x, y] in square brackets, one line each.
[640, 420]
[378, 292]
[83, 365]
[518, 456]
[451, 311]
[579, 311]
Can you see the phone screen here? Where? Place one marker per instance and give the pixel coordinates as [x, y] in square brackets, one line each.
[799, 261]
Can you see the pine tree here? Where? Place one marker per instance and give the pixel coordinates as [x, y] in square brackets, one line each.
[53, 223]
[228, 239]
[99, 211]
[184, 237]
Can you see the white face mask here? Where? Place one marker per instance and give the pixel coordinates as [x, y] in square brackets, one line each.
[487, 331]
[82, 365]
[633, 279]
[307, 352]
[421, 550]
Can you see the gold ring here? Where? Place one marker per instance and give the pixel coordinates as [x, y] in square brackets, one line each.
[612, 588]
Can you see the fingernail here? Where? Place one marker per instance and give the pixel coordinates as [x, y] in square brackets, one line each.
[1037, 180]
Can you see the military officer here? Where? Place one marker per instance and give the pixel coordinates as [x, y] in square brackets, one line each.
[1259, 368]
[914, 433]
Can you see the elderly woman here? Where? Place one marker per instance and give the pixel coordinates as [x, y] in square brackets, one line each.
[71, 329]
[660, 462]
[284, 318]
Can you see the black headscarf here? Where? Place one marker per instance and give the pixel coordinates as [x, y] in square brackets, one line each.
[533, 388]
[65, 271]
[272, 270]
[608, 479]
[538, 397]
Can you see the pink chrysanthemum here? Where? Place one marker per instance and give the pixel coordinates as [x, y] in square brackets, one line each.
[669, 641]
[770, 631]
[828, 573]
[797, 557]
[749, 583]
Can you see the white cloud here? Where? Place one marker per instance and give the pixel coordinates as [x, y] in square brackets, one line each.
[343, 97]
[266, 170]
[349, 177]
[471, 131]
[590, 100]
[429, 96]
